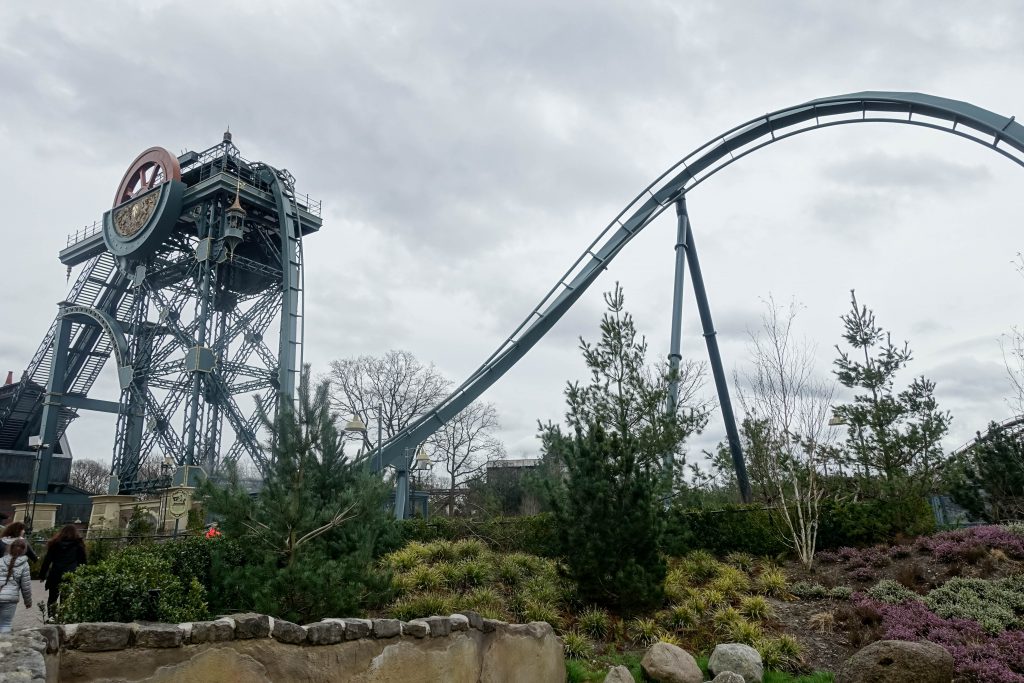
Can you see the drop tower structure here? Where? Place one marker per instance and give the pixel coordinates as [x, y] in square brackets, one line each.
[193, 283]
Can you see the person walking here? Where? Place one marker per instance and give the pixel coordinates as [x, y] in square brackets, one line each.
[65, 552]
[17, 580]
[13, 532]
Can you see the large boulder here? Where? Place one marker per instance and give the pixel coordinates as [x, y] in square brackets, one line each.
[619, 674]
[738, 658]
[898, 661]
[667, 663]
[728, 677]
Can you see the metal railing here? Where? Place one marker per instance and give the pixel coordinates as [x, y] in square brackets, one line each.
[84, 233]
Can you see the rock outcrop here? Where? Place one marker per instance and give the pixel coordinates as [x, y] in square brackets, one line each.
[619, 674]
[737, 658]
[897, 661]
[666, 663]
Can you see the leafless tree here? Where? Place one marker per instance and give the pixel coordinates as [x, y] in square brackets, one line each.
[89, 475]
[1012, 345]
[465, 445]
[783, 390]
[392, 390]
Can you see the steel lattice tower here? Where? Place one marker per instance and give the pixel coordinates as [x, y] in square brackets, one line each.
[182, 283]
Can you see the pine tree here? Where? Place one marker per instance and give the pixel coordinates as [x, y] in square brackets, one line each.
[988, 481]
[608, 503]
[309, 538]
[895, 435]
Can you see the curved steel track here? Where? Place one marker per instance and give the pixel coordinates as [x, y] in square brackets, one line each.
[999, 133]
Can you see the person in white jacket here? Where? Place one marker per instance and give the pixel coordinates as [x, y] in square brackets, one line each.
[17, 583]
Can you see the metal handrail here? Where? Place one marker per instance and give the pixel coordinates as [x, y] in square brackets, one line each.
[84, 233]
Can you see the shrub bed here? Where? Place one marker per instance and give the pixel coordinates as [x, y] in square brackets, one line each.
[744, 529]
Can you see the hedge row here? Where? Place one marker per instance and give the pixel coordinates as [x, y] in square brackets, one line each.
[747, 529]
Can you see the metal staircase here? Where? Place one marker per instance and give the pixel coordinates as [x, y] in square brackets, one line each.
[100, 285]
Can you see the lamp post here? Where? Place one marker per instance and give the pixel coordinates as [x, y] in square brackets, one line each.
[421, 463]
[36, 444]
[356, 425]
[165, 466]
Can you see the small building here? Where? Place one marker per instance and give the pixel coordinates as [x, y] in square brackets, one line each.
[18, 461]
[506, 479]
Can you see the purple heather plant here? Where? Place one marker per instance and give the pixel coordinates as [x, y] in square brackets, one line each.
[977, 655]
[827, 557]
[847, 553]
[863, 574]
[965, 544]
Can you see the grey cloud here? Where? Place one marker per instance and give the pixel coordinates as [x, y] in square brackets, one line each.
[878, 170]
[450, 139]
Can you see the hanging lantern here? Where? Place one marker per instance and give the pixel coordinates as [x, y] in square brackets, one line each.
[234, 230]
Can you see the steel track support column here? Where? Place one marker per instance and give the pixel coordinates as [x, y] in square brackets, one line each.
[715, 358]
[52, 406]
[675, 343]
[401, 487]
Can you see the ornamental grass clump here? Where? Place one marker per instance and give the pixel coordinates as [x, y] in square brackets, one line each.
[783, 653]
[730, 582]
[577, 645]
[594, 622]
[644, 631]
[452, 576]
[755, 607]
[771, 582]
[417, 605]
[682, 617]
[742, 561]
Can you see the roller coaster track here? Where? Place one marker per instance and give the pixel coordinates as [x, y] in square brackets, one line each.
[998, 133]
[1011, 424]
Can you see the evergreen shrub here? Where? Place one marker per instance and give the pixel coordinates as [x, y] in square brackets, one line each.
[131, 586]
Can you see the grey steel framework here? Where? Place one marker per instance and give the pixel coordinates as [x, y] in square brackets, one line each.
[181, 284]
[999, 133]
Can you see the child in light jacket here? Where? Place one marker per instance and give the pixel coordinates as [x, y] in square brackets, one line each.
[17, 583]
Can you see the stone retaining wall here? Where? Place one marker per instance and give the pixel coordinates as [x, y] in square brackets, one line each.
[253, 648]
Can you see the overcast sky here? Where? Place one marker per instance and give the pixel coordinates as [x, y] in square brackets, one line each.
[466, 152]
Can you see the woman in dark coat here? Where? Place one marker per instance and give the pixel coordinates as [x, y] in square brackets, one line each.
[64, 552]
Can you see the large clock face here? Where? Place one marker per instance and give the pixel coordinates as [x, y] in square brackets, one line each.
[146, 205]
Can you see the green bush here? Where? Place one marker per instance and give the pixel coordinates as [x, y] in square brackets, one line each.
[869, 522]
[891, 592]
[808, 590]
[840, 592]
[996, 605]
[131, 586]
[736, 528]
